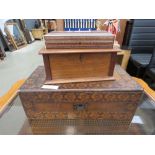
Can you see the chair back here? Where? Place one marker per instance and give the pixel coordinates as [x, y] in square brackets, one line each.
[152, 61]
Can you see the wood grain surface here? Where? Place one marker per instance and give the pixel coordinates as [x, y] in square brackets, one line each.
[73, 66]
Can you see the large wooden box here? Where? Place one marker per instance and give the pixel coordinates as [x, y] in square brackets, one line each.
[78, 65]
[79, 40]
[103, 107]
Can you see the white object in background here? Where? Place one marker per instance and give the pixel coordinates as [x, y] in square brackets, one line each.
[137, 119]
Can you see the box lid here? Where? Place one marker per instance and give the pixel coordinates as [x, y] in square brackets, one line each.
[123, 82]
[79, 40]
[79, 34]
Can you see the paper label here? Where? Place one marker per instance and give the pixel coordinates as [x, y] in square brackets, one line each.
[50, 87]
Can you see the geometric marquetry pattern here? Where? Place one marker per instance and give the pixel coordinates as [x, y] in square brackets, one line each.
[49, 123]
[89, 96]
[78, 126]
[79, 115]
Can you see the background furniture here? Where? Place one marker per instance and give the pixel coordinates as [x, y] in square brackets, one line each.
[60, 24]
[2, 51]
[15, 35]
[123, 57]
[27, 33]
[4, 41]
[141, 43]
[119, 36]
[79, 24]
[138, 63]
[39, 33]
[127, 34]
[150, 92]
[51, 25]
[5, 99]
[150, 70]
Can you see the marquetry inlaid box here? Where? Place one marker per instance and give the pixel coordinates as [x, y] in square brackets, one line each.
[100, 107]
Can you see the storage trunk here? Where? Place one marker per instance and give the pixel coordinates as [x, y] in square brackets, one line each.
[79, 40]
[102, 107]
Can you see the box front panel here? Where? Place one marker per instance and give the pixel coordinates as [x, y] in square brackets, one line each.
[84, 112]
[72, 66]
[90, 105]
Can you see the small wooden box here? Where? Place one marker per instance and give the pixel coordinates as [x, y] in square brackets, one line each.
[79, 56]
[79, 40]
[78, 65]
[100, 107]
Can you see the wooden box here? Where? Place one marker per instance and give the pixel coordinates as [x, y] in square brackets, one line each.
[78, 65]
[79, 56]
[79, 40]
[100, 107]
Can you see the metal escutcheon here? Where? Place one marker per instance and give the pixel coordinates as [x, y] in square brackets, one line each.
[79, 106]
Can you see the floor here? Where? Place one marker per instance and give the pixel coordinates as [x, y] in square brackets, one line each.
[19, 65]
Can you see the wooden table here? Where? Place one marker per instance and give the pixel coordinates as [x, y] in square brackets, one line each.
[123, 58]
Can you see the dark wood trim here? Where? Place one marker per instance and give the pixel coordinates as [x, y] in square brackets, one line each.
[112, 63]
[47, 67]
[2, 51]
[4, 41]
